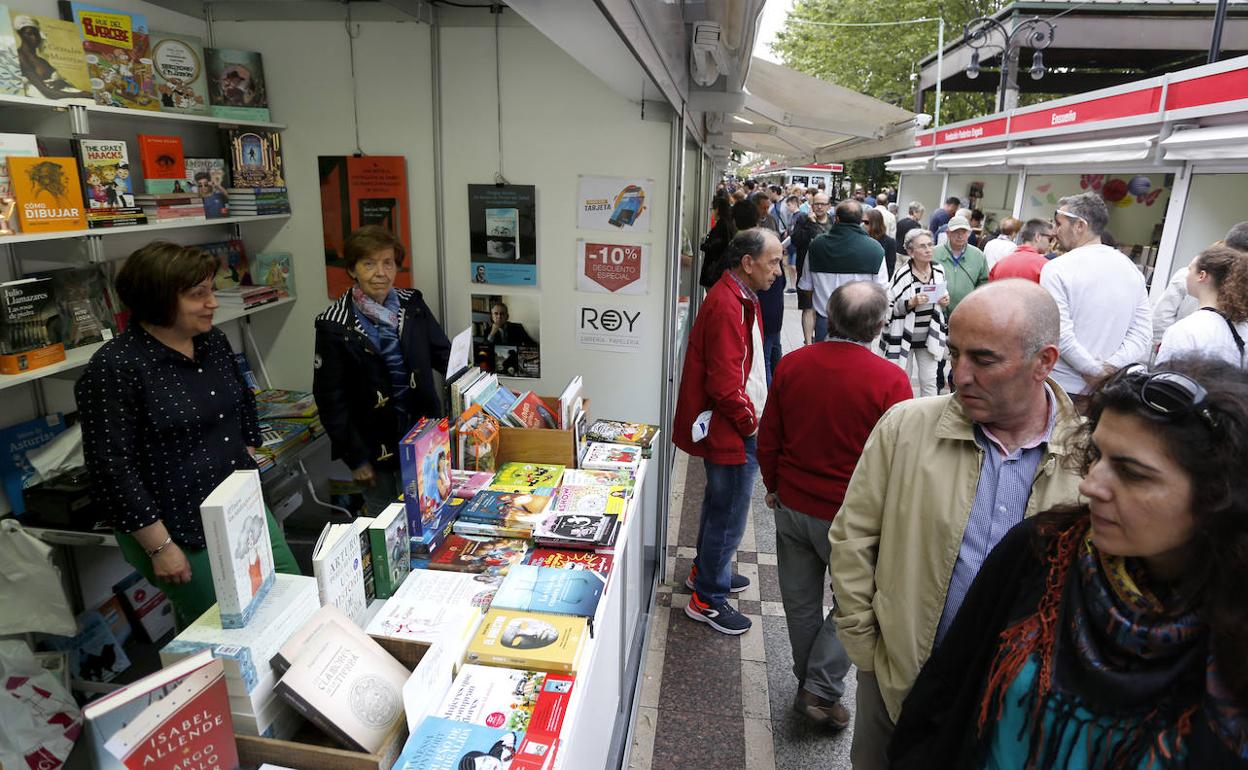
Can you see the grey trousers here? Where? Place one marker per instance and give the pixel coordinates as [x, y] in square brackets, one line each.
[873, 729]
[820, 662]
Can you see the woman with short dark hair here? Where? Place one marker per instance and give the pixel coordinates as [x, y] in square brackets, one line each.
[377, 347]
[166, 417]
[1110, 633]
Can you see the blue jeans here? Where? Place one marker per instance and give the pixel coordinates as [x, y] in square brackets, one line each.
[772, 350]
[821, 327]
[725, 506]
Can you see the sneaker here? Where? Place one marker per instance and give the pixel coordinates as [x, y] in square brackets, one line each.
[821, 713]
[724, 618]
[735, 586]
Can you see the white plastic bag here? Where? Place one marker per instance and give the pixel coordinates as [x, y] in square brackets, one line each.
[32, 597]
[39, 720]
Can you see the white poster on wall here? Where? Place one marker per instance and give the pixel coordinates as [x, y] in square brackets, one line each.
[612, 268]
[603, 327]
[614, 203]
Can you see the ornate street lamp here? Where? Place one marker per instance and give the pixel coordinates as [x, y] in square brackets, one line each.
[1035, 33]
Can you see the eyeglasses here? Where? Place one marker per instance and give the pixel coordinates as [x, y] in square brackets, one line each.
[1166, 393]
[1068, 215]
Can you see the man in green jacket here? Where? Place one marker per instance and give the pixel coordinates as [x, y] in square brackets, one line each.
[966, 267]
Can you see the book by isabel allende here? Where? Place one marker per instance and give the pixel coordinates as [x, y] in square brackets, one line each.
[240, 553]
[529, 640]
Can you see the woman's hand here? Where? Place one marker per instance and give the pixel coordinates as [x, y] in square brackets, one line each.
[916, 300]
[943, 301]
[365, 475]
[171, 565]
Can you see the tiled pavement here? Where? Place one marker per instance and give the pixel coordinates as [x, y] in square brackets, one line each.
[710, 700]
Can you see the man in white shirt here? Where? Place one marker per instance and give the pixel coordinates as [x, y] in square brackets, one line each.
[1003, 244]
[1101, 297]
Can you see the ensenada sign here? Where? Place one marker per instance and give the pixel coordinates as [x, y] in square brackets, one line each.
[1145, 101]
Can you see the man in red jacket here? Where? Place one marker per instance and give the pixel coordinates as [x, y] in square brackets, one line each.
[722, 392]
[825, 399]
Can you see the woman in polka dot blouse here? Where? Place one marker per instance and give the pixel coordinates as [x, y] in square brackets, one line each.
[166, 416]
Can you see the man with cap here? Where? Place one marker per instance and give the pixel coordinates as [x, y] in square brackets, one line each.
[965, 266]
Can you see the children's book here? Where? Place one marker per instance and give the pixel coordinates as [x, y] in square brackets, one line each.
[597, 498]
[425, 464]
[529, 475]
[553, 557]
[276, 269]
[232, 269]
[531, 412]
[255, 158]
[162, 157]
[117, 50]
[239, 550]
[575, 530]
[506, 509]
[528, 640]
[550, 589]
[466, 484]
[582, 477]
[181, 79]
[611, 456]
[108, 186]
[465, 553]
[618, 432]
[236, 87]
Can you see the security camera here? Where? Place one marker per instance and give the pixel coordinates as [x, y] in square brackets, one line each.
[922, 120]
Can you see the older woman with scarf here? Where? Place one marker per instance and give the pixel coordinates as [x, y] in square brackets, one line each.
[376, 350]
[1110, 633]
[915, 336]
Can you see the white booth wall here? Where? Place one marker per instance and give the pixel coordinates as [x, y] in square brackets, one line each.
[997, 201]
[1133, 220]
[924, 188]
[1215, 202]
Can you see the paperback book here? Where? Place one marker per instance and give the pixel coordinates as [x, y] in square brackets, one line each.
[513, 511]
[444, 744]
[30, 326]
[529, 475]
[255, 158]
[581, 477]
[339, 570]
[552, 590]
[529, 411]
[232, 268]
[492, 696]
[597, 498]
[56, 49]
[541, 740]
[528, 640]
[181, 79]
[240, 553]
[11, 80]
[575, 530]
[14, 145]
[236, 87]
[295, 643]
[48, 194]
[85, 317]
[618, 432]
[117, 51]
[425, 465]
[463, 553]
[95, 654]
[108, 187]
[162, 158]
[275, 269]
[567, 559]
[392, 553]
[466, 484]
[16, 472]
[602, 456]
[430, 604]
[476, 440]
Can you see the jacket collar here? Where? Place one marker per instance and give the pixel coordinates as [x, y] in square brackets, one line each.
[738, 288]
[342, 313]
[954, 424]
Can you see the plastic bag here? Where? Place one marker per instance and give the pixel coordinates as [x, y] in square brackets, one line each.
[39, 720]
[32, 597]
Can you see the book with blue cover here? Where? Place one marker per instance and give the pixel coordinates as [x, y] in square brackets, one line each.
[506, 509]
[550, 589]
[444, 744]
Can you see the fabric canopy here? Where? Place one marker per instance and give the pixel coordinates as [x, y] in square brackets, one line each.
[1099, 151]
[1214, 143]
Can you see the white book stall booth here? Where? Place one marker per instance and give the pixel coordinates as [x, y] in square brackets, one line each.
[1168, 154]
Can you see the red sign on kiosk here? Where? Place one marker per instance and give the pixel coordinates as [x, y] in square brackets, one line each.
[1210, 89]
[613, 267]
[1134, 103]
[970, 132]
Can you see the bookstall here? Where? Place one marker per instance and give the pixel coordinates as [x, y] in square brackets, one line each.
[1166, 153]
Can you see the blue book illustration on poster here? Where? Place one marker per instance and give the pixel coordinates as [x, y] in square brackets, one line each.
[442, 744]
[529, 588]
[15, 441]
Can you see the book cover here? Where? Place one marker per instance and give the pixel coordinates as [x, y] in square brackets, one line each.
[513, 510]
[391, 549]
[531, 412]
[11, 80]
[339, 571]
[559, 559]
[16, 145]
[492, 696]
[461, 553]
[550, 589]
[360, 529]
[597, 498]
[95, 655]
[530, 640]
[108, 187]
[206, 178]
[611, 456]
[541, 739]
[477, 438]
[162, 157]
[236, 86]
[430, 540]
[295, 643]
[50, 56]
[181, 78]
[444, 744]
[16, 472]
[498, 402]
[581, 477]
[275, 403]
[466, 484]
[255, 158]
[232, 267]
[529, 475]
[425, 464]
[117, 49]
[239, 550]
[618, 432]
[478, 529]
[30, 326]
[349, 687]
[188, 729]
[276, 269]
[430, 604]
[84, 315]
[48, 194]
[147, 606]
[578, 530]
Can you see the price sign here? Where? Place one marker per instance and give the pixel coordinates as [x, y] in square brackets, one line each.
[613, 268]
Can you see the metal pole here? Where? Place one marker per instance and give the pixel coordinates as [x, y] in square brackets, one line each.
[1219, 20]
[435, 75]
[940, 67]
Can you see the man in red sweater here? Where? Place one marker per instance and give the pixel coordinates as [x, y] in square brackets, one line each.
[1035, 240]
[824, 401]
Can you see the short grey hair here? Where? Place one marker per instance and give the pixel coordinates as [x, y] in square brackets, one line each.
[1089, 207]
[1033, 229]
[857, 310]
[917, 209]
[915, 233]
[964, 213]
[1237, 237]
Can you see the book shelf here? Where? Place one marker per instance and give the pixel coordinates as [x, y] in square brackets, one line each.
[80, 356]
[64, 105]
[130, 229]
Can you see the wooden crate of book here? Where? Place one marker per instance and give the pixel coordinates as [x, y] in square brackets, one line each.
[538, 445]
[313, 750]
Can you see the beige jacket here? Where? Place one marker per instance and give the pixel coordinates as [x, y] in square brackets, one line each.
[896, 538]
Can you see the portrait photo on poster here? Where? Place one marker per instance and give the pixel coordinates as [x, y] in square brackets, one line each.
[502, 234]
[506, 329]
[618, 204]
[612, 268]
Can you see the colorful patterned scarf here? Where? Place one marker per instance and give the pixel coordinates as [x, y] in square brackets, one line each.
[375, 311]
[1105, 643]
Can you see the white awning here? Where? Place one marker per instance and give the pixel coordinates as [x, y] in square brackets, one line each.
[980, 159]
[918, 163]
[1097, 152]
[1214, 143]
[791, 115]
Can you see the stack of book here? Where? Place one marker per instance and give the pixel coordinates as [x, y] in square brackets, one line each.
[278, 439]
[257, 201]
[431, 605]
[255, 707]
[291, 405]
[502, 514]
[172, 207]
[246, 297]
[470, 553]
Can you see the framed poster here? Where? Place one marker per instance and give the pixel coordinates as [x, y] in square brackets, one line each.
[368, 190]
[612, 268]
[614, 203]
[506, 334]
[502, 233]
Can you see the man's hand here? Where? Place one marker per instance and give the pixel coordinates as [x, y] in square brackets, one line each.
[365, 475]
[171, 565]
[772, 500]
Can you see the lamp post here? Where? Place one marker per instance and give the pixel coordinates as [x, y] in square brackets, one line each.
[1036, 33]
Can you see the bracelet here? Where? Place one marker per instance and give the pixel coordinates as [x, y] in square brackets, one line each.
[156, 551]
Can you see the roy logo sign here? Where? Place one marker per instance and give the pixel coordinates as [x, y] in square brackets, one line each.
[608, 328]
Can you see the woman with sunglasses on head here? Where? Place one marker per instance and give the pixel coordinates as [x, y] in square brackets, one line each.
[1111, 633]
[1218, 280]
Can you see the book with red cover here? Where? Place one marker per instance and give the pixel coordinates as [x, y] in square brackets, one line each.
[532, 412]
[478, 554]
[563, 559]
[541, 739]
[188, 729]
[162, 157]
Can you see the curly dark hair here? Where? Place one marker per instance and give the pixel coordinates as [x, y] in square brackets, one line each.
[1213, 460]
[1229, 269]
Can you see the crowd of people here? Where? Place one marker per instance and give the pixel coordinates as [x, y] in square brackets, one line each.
[1022, 479]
